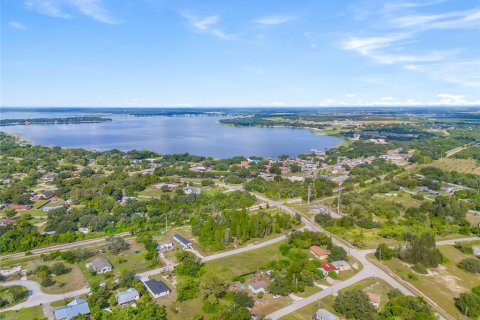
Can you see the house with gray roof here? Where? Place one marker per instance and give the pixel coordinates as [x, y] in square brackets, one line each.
[156, 288]
[72, 309]
[342, 265]
[323, 314]
[192, 190]
[100, 265]
[126, 297]
[182, 241]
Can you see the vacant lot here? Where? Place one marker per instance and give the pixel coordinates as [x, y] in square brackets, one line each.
[369, 285]
[23, 314]
[448, 280]
[460, 165]
[243, 263]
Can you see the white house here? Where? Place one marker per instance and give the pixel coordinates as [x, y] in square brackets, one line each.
[258, 286]
[100, 265]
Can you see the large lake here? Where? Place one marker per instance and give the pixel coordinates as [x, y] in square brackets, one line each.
[199, 135]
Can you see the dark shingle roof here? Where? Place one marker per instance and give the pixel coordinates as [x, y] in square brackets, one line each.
[156, 286]
[181, 239]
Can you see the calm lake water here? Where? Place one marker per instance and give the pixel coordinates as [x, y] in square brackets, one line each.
[195, 135]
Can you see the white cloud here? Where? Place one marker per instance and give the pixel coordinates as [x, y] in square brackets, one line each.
[402, 44]
[375, 48]
[274, 20]
[17, 25]
[449, 99]
[449, 20]
[350, 95]
[207, 25]
[387, 99]
[64, 8]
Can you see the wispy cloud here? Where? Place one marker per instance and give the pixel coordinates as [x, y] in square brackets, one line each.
[66, 8]
[274, 20]
[378, 47]
[450, 20]
[404, 27]
[208, 25]
[17, 25]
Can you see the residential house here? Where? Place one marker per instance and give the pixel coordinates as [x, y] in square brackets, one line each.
[341, 265]
[7, 221]
[165, 246]
[328, 267]
[319, 252]
[47, 194]
[258, 286]
[374, 299]
[323, 314]
[72, 309]
[192, 190]
[156, 288]
[20, 207]
[182, 241]
[52, 207]
[49, 176]
[127, 297]
[100, 265]
[84, 230]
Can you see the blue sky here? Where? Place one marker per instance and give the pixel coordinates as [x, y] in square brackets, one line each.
[239, 53]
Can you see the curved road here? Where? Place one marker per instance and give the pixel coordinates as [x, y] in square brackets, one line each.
[36, 296]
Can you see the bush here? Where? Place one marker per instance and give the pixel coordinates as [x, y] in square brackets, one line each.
[337, 253]
[469, 304]
[420, 268]
[243, 299]
[260, 295]
[58, 268]
[470, 265]
[476, 290]
[383, 252]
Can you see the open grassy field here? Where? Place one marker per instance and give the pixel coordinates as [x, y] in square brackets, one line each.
[370, 238]
[403, 198]
[448, 280]
[460, 165]
[23, 314]
[246, 262]
[371, 285]
[71, 281]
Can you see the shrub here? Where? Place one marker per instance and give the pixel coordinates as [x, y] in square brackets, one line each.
[383, 252]
[470, 265]
[469, 304]
[420, 268]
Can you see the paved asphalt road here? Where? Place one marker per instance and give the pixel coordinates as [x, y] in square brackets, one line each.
[37, 296]
[61, 247]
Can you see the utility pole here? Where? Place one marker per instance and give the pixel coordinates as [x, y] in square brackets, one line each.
[338, 200]
[308, 195]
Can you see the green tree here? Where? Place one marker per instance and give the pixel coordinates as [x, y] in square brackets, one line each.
[354, 304]
[384, 252]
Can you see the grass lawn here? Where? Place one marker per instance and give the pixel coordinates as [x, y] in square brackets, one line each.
[460, 165]
[371, 285]
[23, 314]
[473, 217]
[403, 198]
[227, 268]
[269, 304]
[11, 294]
[71, 281]
[308, 291]
[125, 261]
[370, 237]
[447, 280]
